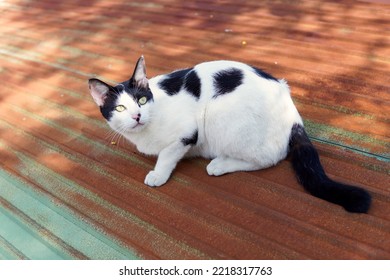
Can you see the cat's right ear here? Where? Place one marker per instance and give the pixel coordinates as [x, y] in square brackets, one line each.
[99, 91]
[139, 78]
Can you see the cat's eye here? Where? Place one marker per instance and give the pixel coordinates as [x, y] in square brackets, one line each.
[142, 100]
[120, 108]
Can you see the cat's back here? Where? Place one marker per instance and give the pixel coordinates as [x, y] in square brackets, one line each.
[211, 67]
[219, 67]
[220, 80]
[209, 74]
[223, 79]
[226, 71]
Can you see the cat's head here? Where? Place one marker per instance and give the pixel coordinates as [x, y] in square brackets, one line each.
[126, 106]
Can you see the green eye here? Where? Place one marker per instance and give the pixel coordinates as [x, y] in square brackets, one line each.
[120, 108]
[142, 100]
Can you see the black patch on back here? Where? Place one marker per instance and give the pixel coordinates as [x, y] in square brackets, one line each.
[173, 82]
[192, 84]
[263, 74]
[227, 81]
[191, 140]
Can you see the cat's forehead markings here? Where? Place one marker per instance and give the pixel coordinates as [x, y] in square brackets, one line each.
[123, 96]
[121, 90]
[122, 87]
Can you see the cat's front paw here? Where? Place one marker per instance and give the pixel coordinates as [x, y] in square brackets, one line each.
[154, 179]
[216, 167]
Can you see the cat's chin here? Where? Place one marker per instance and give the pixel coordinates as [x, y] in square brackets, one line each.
[136, 128]
[131, 130]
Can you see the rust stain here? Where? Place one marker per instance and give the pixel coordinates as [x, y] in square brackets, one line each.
[59, 161]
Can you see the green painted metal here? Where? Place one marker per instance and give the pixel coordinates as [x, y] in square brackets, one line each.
[328, 134]
[38, 228]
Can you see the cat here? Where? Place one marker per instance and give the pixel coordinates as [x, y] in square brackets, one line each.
[235, 114]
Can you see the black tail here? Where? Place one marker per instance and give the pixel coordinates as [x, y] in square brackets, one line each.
[311, 175]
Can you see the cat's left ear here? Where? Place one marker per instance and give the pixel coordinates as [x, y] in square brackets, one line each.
[99, 90]
[139, 79]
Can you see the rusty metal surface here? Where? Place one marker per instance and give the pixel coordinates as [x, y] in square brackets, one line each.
[67, 192]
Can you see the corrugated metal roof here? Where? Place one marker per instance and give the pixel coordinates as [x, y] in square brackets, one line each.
[67, 192]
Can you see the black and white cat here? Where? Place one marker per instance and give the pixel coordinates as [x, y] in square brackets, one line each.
[237, 115]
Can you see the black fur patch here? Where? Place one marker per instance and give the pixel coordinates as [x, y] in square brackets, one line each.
[264, 75]
[227, 81]
[174, 81]
[192, 84]
[135, 92]
[111, 100]
[109, 103]
[192, 140]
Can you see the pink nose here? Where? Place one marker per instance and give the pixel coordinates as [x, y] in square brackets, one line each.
[136, 117]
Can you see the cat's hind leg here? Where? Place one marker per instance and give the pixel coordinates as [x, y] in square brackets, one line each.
[223, 165]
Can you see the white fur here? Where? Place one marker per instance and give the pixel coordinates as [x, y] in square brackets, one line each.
[247, 129]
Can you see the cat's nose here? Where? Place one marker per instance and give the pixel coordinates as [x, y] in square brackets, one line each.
[136, 117]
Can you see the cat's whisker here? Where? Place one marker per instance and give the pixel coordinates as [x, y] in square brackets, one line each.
[111, 137]
[117, 135]
[109, 134]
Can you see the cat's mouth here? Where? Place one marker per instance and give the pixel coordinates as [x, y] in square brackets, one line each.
[138, 125]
